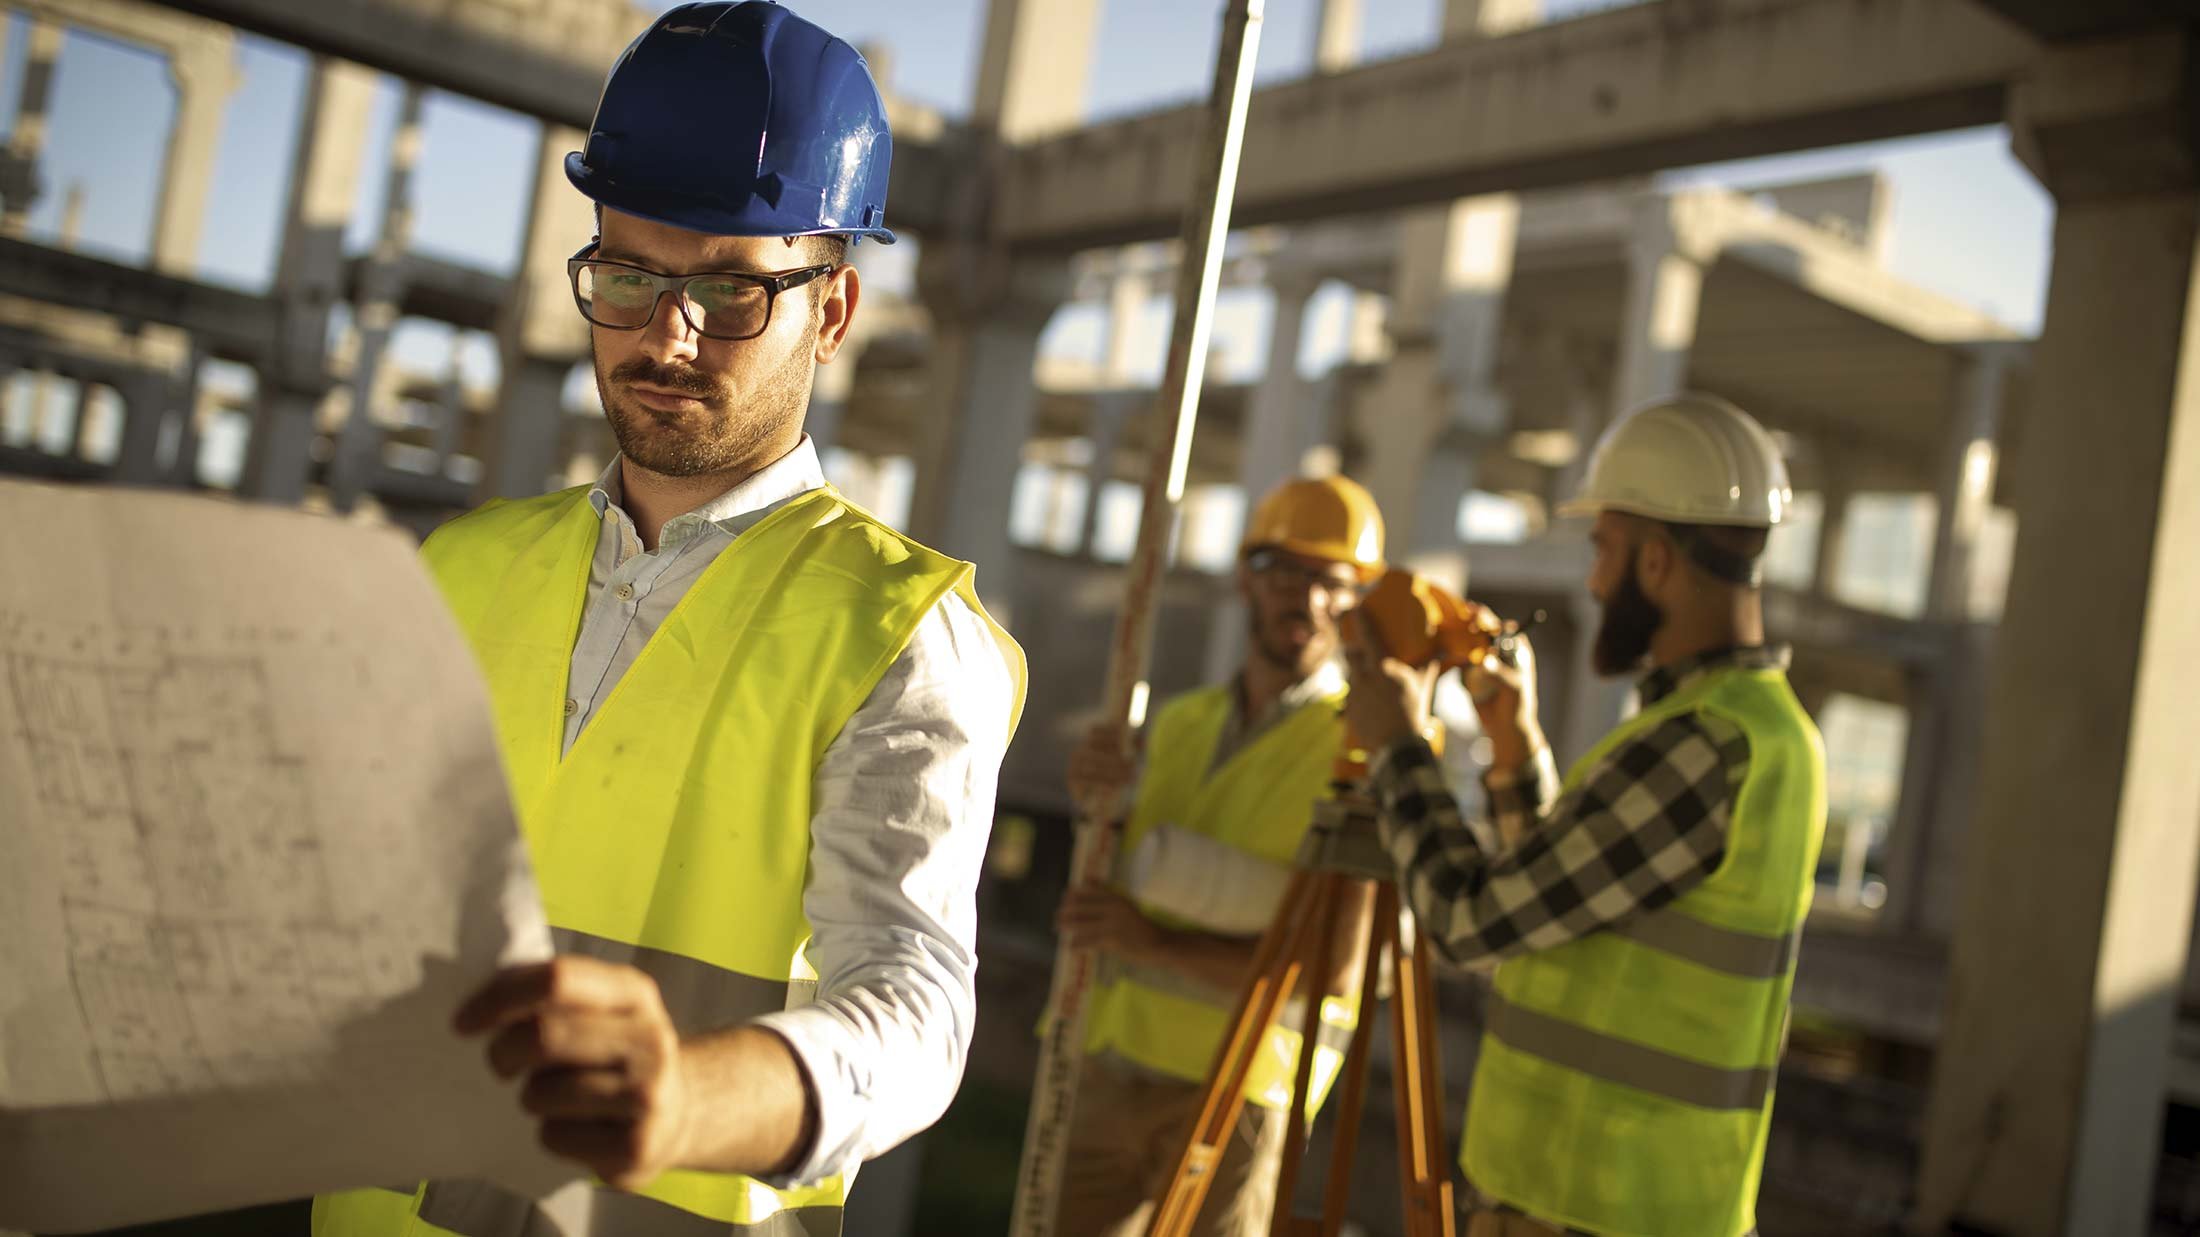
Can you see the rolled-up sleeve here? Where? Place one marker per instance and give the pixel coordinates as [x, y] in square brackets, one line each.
[902, 811]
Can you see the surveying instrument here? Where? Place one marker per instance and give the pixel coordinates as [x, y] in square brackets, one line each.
[1420, 624]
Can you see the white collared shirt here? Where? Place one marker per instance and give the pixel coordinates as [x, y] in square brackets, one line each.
[901, 812]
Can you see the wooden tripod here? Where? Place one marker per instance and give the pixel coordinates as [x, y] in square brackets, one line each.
[1339, 852]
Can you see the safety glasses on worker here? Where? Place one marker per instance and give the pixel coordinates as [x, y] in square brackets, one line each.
[1278, 569]
[726, 305]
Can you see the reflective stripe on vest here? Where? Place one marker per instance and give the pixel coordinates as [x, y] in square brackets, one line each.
[1625, 1080]
[703, 754]
[1616, 1060]
[1261, 801]
[478, 1209]
[699, 997]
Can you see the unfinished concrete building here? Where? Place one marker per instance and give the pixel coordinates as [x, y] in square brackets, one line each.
[1998, 1021]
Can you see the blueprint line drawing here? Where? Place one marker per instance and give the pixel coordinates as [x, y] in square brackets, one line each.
[255, 847]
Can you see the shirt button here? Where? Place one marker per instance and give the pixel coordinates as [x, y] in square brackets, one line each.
[572, 706]
[626, 592]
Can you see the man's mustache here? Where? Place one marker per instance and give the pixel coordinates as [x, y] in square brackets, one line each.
[680, 378]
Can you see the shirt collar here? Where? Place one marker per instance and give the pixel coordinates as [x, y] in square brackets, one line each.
[1326, 682]
[791, 475]
[1663, 681]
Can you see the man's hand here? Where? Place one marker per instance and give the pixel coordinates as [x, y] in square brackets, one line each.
[1094, 917]
[1389, 699]
[1100, 771]
[1504, 698]
[601, 1060]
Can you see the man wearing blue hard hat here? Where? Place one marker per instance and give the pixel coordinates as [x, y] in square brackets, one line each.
[752, 732]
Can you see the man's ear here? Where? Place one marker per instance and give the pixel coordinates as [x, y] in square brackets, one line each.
[1656, 558]
[837, 311]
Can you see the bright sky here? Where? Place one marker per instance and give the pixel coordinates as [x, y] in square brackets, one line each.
[1968, 221]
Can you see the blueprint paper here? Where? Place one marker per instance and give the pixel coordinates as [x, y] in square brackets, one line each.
[255, 848]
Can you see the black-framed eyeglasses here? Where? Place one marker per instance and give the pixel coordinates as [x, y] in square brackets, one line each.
[728, 305]
[1277, 567]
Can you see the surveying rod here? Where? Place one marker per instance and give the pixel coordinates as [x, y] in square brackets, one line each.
[1206, 225]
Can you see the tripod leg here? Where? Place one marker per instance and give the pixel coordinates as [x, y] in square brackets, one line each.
[1329, 891]
[1354, 1097]
[1429, 1191]
[1415, 1165]
[1276, 969]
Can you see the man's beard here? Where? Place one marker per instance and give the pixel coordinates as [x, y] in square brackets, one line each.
[1277, 651]
[1624, 633]
[710, 439]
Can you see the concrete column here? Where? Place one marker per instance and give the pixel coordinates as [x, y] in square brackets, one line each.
[1336, 35]
[1466, 19]
[541, 334]
[1666, 258]
[19, 184]
[1035, 66]
[1438, 405]
[359, 443]
[1966, 492]
[987, 317]
[1128, 293]
[147, 408]
[1279, 429]
[1833, 524]
[204, 74]
[309, 280]
[179, 463]
[80, 418]
[2079, 878]
[1111, 412]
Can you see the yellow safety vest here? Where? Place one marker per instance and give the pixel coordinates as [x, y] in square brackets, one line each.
[703, 756]
[1260, 800]
[1625, 1081]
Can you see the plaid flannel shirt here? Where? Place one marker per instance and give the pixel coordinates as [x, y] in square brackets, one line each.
[1644, 826]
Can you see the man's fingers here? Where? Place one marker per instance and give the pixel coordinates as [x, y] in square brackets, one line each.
[565, 1041]
[583, 1095]
[1370, 636]
[565, 981]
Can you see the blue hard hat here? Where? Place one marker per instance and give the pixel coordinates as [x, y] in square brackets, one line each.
[740, 120]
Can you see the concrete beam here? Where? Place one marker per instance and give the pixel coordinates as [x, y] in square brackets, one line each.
[514, 57]
[235, 326]
[1629, 91]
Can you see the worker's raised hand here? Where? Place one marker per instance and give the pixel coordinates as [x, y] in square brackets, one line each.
[601, 1061]
[1101, 771]
[1389, 699]
[1095, 917]
[1503, 689]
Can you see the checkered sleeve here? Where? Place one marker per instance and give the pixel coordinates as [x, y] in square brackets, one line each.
[1644, 826]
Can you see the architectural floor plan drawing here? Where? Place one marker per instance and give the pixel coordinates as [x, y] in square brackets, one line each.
[257, 848]
[181, 807]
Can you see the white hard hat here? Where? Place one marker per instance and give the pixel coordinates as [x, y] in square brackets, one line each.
[1687, 459]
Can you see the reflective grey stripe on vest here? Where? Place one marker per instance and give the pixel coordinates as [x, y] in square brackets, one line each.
[1624, 1062]
[700, 996]
[1743, 954]
[1291, 1017]
[478, 1209]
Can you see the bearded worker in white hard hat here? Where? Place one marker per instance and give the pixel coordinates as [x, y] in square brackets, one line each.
[1230, 778]
[1644, 923]
[752, 732]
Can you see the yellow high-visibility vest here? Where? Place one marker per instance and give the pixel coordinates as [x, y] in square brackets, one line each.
[1625, 1080]
[1260, 800]
[675, 835]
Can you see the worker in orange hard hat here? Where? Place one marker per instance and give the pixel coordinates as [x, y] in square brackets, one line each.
[1230, 776]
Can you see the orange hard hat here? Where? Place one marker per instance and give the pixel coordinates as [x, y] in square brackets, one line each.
[1331, 518]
